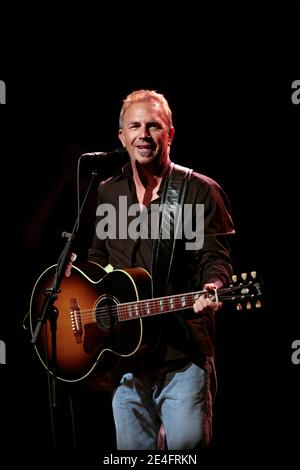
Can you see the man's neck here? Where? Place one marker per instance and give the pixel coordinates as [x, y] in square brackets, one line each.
[149, 176]
[147, 182]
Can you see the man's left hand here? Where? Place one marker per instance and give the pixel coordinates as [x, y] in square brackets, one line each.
[205, 302]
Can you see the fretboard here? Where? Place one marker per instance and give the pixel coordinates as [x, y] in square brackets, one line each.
[149, 307]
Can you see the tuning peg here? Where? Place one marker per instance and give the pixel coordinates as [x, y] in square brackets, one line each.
[244, 276]
[234, 278]
[239, 306]
[253, 274]
[248, 305]
[258, 304]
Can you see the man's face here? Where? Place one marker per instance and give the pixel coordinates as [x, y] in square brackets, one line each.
[146, 133]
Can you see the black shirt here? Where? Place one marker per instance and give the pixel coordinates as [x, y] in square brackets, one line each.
[182, 334]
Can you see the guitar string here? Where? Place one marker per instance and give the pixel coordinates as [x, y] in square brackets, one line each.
[109, 316]
[107, 311]
[157, 302]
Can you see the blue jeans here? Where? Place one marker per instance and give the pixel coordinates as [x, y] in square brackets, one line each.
[180, 399]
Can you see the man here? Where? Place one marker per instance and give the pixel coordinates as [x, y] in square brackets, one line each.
[170, 384]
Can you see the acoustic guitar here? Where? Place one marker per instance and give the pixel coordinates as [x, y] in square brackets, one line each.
[94, 313]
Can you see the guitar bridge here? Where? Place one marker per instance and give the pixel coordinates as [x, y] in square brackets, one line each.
[76, 320]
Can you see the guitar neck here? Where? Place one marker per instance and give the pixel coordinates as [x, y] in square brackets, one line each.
[157, 306]
[237, 292]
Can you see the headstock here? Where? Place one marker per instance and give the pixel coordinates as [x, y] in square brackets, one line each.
[245, 291]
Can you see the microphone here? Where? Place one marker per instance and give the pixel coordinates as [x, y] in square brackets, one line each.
[113, 153]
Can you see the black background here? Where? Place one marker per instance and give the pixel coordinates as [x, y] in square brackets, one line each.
[224, 82]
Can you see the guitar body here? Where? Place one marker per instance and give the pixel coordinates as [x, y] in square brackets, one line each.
[89, 336]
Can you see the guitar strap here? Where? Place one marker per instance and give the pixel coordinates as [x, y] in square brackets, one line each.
[170, 218]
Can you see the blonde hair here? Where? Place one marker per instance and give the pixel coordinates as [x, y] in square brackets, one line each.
[146, 96]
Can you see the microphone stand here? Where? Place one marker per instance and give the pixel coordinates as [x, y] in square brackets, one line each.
[50, 312]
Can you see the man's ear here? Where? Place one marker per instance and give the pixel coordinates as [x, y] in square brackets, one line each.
[171, 135]
[121, 137]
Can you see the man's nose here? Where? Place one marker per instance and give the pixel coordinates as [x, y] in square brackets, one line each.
[144, 132]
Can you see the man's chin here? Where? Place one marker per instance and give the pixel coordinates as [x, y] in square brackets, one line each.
[145, 160]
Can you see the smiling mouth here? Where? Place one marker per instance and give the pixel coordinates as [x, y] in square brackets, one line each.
[144, 151]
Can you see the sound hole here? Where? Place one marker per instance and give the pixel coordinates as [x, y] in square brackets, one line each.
[106, 313]
[98, 334]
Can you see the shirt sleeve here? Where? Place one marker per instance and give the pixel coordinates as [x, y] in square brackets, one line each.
[213, 259]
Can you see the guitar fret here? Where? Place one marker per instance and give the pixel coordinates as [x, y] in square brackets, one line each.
[119, 312]
[122, 312]
[155, 306]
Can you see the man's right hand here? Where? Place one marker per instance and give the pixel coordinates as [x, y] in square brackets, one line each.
[70, 264]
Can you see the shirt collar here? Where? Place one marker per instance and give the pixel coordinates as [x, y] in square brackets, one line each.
[126, 172]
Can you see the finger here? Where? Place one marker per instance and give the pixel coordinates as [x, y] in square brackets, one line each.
[68, 272]
[68, 269]
[203, 303]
